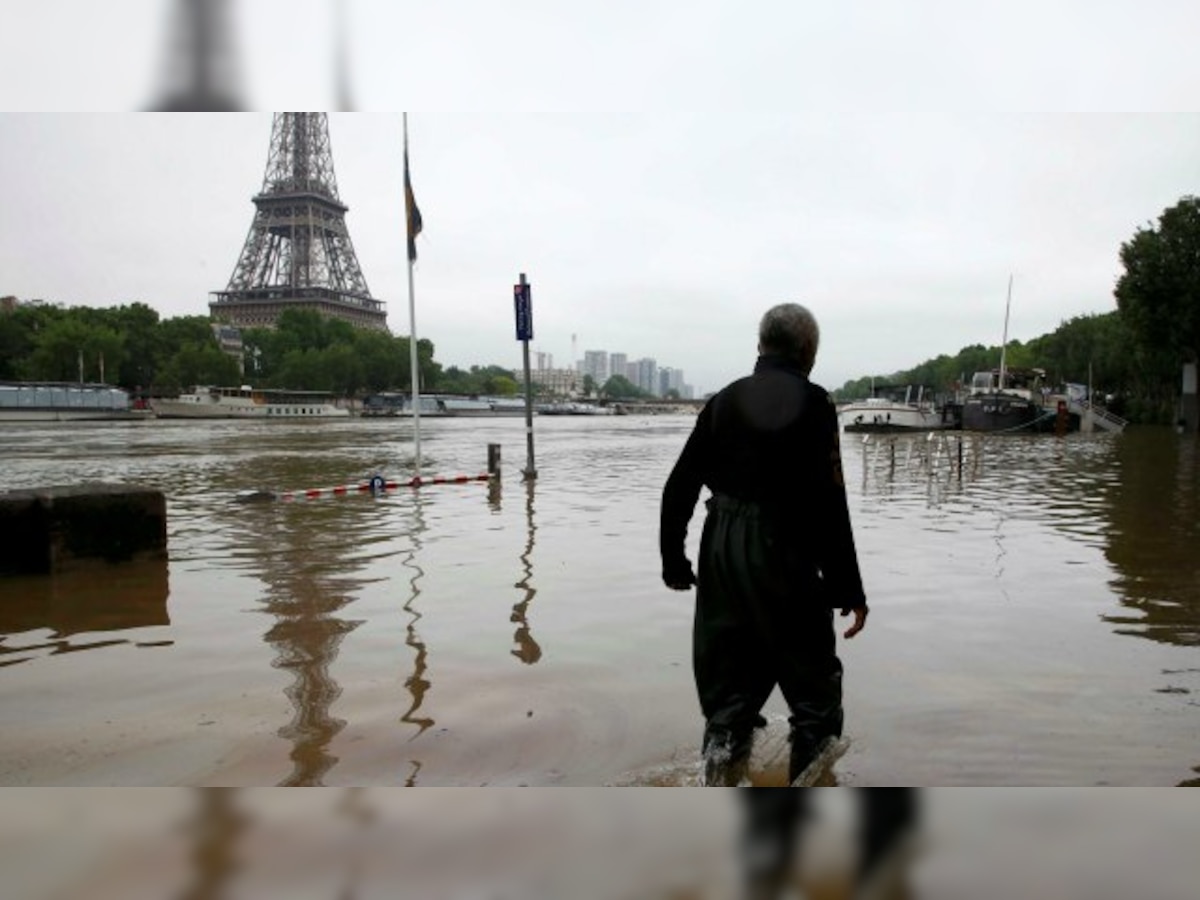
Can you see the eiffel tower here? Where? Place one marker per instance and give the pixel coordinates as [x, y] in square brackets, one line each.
[298, 254]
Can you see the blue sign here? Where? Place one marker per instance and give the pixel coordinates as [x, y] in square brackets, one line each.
[523, 303]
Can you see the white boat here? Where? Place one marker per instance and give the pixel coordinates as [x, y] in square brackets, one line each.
[59, 401]
[249, 403]
[893, 408]
[573, 408]
[392, 405]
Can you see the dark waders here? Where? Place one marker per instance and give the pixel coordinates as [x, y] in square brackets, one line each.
[761, 620]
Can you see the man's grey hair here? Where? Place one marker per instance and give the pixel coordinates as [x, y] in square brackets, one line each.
[791, 331]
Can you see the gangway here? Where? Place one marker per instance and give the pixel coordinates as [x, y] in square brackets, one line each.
[1100, 417]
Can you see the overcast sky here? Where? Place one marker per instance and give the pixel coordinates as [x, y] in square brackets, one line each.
[651, 233]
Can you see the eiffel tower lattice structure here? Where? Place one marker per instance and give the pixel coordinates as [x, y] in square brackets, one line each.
[298, 254]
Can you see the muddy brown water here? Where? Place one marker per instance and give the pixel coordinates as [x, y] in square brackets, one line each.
[1036, 612]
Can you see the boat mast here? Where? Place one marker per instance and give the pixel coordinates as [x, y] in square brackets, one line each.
[1004, 343]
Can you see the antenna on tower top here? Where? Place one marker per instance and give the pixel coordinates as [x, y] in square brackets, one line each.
[341, 58]
[200, 71]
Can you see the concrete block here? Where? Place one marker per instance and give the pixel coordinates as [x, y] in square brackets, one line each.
[54, 529]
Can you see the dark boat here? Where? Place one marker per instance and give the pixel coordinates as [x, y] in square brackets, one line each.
[1006, 400]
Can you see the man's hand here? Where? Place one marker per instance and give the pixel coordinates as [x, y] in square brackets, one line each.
[679, 577]
[860, 619]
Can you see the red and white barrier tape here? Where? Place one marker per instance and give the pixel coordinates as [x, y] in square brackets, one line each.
[379, 485]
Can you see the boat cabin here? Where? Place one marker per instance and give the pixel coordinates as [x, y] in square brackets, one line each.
[1015, 380]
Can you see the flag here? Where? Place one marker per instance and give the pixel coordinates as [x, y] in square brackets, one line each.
[411, 213]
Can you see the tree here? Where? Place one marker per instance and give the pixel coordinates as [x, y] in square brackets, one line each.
[138, 325]
[197, 364]
[381, 359]
[1158, 295]
[307, 326]
[345, 369]
[494, 380]
[619, 386]
[68, 349]
[18, 336]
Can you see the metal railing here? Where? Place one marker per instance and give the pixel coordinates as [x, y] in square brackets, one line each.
[1100, 416]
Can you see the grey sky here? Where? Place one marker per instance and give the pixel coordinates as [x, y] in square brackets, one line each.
[651, 233]
[535, 55]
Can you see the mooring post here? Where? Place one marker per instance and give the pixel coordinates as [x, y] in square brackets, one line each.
[493, 460]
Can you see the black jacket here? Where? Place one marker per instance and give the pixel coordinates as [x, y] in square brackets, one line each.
[770, 439]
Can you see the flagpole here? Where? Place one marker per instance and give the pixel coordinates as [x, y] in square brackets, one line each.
[412, 314]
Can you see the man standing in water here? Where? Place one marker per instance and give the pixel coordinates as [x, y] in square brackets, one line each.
[776, 554]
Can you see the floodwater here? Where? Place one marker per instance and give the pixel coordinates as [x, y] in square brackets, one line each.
[1035, 612]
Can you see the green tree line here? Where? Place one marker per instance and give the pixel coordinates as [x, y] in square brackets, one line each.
[131, 346]
[1092, 345]
[1134, 353]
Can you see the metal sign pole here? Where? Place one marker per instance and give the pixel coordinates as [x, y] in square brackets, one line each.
[522, 301]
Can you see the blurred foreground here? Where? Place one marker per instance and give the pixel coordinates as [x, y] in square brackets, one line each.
[564, 844]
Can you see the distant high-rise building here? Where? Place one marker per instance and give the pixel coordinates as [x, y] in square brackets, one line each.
[647, 376]
[595, 363]
[618, 364]
[670, 380]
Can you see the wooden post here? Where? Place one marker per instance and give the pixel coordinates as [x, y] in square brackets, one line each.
[493, 460]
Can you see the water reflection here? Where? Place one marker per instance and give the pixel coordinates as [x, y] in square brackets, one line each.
[305, 593]
[215, 831]
[355, 807]
[1135, 497]
[1154, 530]
[885, 838]
[527, 650]
[940, 464]
[125, 597]
[416, 683]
